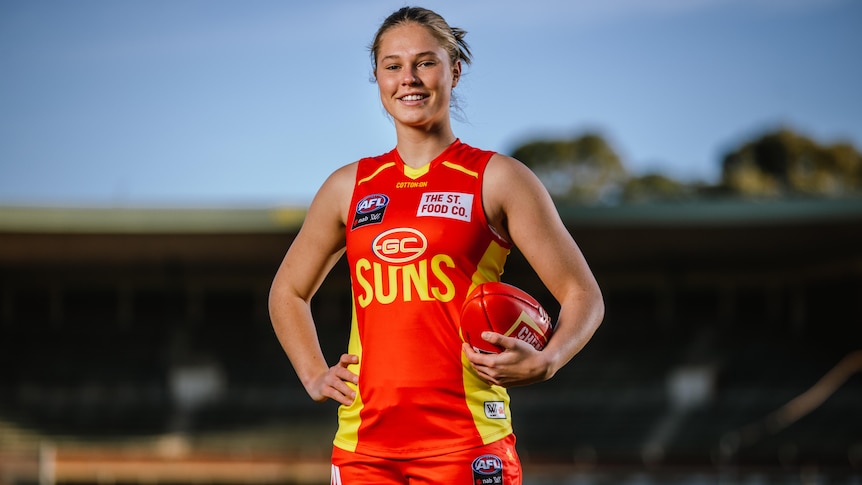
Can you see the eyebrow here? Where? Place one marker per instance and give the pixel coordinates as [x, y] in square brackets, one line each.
[421, 54]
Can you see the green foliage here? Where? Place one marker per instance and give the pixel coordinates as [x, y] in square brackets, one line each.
[584, 168]
[655, 187]
[785, 163]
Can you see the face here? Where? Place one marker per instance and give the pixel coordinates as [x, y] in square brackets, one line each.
[415, 76]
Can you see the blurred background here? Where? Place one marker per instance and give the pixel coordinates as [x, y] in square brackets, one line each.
[157, 158]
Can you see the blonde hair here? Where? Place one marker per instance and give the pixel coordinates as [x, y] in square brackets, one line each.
[450, 38]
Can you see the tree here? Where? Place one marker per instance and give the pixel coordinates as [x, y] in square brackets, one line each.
[584, 168]
[655, 186]
[786, 163]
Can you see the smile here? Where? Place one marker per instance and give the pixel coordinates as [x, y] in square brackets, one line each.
[414, 97]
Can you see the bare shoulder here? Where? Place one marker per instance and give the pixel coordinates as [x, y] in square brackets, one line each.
[334, 195]
[508, 177]
[510, 188]
[341, 178]
[504, 165]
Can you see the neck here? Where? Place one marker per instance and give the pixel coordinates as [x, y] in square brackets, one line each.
[417, 147]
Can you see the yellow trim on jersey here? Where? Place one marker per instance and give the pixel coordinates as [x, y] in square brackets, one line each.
[415, 173]
[490, 267]
[347, 436]
[461, 168]
[477, 392]
[379, 169]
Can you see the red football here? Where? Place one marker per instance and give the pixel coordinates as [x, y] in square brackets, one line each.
[507, 310]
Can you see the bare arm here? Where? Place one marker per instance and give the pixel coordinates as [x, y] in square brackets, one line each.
[318, 246]
[519, 207]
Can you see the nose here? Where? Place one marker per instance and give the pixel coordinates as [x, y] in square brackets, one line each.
[410, 77]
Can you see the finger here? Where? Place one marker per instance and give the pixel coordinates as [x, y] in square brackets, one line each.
[480, 364]
[472, 356]
[340, 391]
[497, 339]
[336, 395]
[341, 369]
[509, 344]
[343, 374]
[479, 359]
[486, 376]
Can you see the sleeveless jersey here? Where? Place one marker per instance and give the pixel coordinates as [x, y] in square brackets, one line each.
[417, 243]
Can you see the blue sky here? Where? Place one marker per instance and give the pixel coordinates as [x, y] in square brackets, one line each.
[254, 103]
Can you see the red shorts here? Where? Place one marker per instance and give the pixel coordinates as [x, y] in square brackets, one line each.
[493, 464]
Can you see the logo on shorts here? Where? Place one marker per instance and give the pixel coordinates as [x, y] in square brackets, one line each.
[495, 410]
[370, 210]
[488, 470]
[335, 476]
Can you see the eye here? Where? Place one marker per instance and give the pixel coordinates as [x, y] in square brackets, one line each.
[427, 64]
[389, 65]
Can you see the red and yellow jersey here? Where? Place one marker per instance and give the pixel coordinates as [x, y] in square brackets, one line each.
[417, 243]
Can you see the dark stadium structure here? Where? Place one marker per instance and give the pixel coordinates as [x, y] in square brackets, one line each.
[732, 335]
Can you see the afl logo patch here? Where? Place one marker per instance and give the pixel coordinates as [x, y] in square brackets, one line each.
[369, 210]
[488, 469]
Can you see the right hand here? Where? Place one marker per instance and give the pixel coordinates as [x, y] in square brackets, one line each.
[333, 383]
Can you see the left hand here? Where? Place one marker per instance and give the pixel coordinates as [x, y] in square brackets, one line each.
[519, 364]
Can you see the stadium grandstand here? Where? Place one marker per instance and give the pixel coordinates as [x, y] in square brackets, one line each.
[135, 347]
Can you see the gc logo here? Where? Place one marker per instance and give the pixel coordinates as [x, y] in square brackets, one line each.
[399, 245]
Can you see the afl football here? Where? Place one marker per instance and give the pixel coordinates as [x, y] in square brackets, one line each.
[507, 310]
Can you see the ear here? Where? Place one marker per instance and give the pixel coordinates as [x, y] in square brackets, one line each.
[456, 73]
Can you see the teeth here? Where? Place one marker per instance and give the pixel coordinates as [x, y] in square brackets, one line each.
[412, 97]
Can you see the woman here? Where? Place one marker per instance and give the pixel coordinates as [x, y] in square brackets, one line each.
[421, 226]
